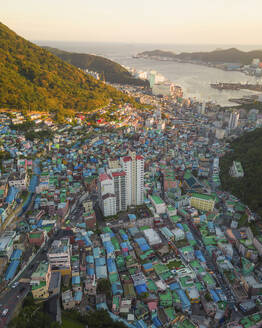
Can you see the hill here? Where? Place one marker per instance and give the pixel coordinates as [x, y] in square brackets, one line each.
[33, 78]
[158, 53]
[113, 72]
[248, 150]
[231, 55]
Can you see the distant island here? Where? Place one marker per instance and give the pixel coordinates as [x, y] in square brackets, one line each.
[109, 70]
[233, 57]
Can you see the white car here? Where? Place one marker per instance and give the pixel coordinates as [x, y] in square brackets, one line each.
[4, 313]
[15, 284]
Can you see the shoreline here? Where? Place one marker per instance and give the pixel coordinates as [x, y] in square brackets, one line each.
[183, 61]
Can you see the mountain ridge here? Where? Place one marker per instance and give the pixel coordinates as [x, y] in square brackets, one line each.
[230, 55]
[112, 71]
[33, 78]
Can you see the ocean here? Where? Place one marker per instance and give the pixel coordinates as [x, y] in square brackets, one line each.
[194, 79]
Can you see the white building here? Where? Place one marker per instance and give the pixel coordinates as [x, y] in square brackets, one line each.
[106, 192]
[106, 184]
[186, 272]
[119, 178]
[161, 125]
[18, 180]
[159, 204]
[133, 166]
[233, 120]
[163, 89]
[255, 61]
[109, 204]
[171, 211]
[141, 75]
[220, 133]
[203, 108]
[179, 234]
[152, 237]
[122, 185]
[236, 170]
[114, 164]
[149, 121]
[59, 254]
[6, 243]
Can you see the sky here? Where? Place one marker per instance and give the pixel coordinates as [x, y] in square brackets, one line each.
[136, 21]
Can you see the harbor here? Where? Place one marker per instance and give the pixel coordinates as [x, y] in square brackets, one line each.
[236, 86]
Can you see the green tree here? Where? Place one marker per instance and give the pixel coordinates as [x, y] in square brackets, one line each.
[104, 287]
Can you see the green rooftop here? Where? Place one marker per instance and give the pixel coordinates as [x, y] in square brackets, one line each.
[42, 284]
[40, 271]
[203, 196]
[170, 313]
[35, 235]
[157, 200]
[208, 279]
[186, 282]
[166, 298]
[160, 268]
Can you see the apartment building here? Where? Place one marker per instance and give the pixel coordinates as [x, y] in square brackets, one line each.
[236, 170]
[122, 185]
[133, 166]
[6, 243]
[59, 256]
[119, 178]
[202, 202]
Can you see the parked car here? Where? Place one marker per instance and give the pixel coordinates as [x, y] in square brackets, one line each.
[4, 313]
[15, 284]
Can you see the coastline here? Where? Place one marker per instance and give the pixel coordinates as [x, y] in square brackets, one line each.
[220, 66]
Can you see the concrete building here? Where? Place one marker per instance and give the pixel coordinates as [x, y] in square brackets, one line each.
[19, 180]
[59, 256]
[119, 178]
[149, 121]
[6, 243]
[122, 185]
[133, 166]
[114, 164]
[88, 206]
[203, 108]
[163, 89]
[41, 274]
[36, 238]
[233, 120]
[108, 204]
[54, 283]
[236, 170]
[68, 301]
[106, 192]
[40, 290]
[220, 133]
[202, 202]
[159, 204]
[152, 237]
[179, 234]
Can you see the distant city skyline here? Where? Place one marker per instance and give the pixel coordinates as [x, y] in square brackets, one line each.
[137, 21]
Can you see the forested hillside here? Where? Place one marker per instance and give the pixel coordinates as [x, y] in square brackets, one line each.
[231, 55]
[111, 71]
[248, 150]
[33, 78]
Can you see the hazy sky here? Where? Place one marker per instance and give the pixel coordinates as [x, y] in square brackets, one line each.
[152, 21]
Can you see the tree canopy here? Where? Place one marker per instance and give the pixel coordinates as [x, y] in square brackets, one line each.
[248, 150]
[32, 315]
[31, 78]
[112, 72]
